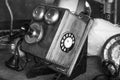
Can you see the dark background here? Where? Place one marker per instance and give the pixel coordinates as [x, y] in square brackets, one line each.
[22, 12]
[22, 9]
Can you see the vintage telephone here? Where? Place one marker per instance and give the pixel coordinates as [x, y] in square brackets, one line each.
[57, 36]
[110, 59]
[111, 56]
[13, 41]
[17, 62]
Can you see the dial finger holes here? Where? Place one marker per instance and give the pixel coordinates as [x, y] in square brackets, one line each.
[67, 42]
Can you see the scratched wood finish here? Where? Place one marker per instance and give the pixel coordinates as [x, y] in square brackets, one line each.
[71, 25]
[55, 53]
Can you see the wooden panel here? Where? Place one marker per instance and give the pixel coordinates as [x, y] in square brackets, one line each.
[71, 26]
[63, 59]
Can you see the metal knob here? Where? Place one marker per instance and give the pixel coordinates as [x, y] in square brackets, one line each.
[38, 13]
[51, 16]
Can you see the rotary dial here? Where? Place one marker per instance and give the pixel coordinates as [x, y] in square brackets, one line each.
[67, 42]
[111, 50]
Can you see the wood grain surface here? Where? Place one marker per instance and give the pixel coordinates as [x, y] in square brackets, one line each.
[80, 30]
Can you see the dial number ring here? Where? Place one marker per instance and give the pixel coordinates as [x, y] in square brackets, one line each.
[67, 42]
[111, 49]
